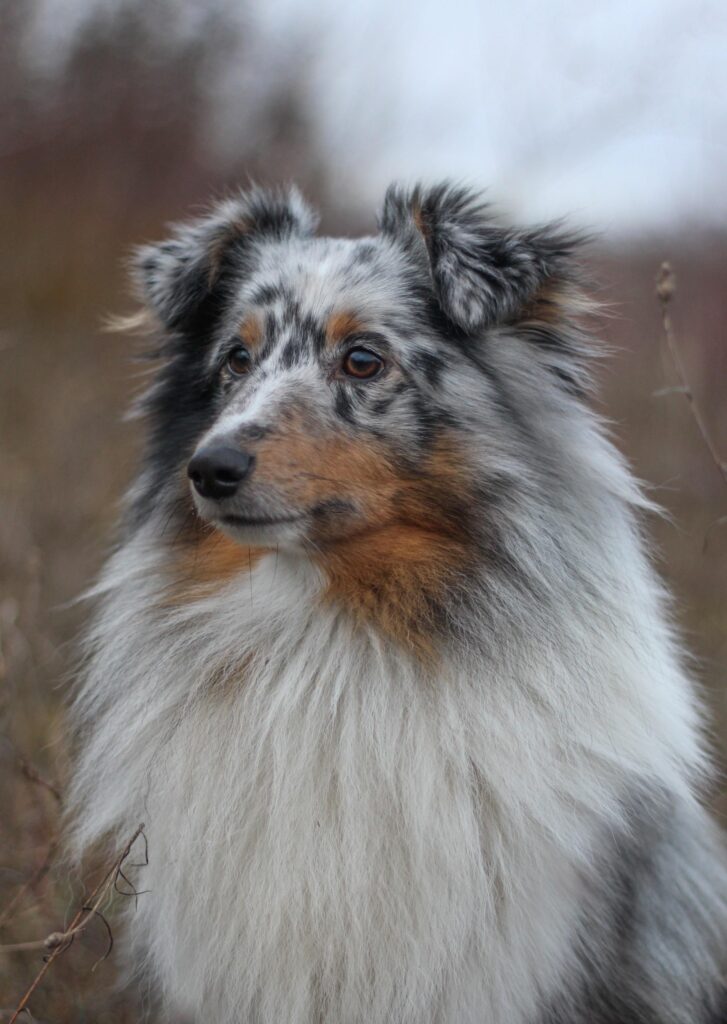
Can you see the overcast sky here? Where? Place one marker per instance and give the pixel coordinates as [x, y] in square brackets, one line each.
[612, 111]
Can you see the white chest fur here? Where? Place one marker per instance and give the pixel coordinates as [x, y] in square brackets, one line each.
[334, 836]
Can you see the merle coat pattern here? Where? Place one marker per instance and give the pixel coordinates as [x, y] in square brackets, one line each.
[391, 680]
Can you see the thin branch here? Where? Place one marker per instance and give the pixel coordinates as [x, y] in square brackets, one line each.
[665, 289]
[58, 942]
[33, 775]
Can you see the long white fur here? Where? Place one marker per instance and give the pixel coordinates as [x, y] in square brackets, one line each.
[336, 835]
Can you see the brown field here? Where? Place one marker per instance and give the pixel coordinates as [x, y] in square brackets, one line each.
[78, 189]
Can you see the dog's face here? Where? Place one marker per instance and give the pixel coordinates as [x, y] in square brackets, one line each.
[319, 390]
[330, 393]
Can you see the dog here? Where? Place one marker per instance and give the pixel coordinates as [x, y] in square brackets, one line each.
[380, 659]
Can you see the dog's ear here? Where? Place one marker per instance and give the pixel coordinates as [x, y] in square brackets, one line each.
[481, 274]
[185, 279]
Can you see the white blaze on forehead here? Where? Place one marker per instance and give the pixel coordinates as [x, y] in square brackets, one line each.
[261, 406]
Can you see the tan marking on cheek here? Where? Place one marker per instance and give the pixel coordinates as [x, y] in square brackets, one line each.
[395, 573]
[202, 562]
[310, 466]
[340, 326]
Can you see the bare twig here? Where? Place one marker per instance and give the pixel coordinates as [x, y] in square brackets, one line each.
[665, 289]
[33, 775]
[58, 942]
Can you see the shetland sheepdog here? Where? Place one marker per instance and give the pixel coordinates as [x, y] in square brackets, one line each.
[380, 659]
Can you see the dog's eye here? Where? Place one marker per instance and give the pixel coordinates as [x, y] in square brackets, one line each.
[238, 361]
[362, 364]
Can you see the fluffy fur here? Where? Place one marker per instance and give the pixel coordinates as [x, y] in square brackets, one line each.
[405, 718]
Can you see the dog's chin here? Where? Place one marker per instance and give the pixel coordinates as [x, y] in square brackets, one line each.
[259, 531]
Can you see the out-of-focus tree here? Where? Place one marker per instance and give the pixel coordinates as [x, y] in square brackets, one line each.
[110, 137]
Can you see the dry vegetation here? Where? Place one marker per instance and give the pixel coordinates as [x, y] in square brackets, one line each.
[93, 162]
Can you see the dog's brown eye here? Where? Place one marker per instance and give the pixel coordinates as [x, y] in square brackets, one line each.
[362, 363]
[238, 361]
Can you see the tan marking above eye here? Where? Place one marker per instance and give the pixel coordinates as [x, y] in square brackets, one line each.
[342, 325]
[250, 332]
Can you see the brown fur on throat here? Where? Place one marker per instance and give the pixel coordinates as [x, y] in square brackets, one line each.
[394, 579]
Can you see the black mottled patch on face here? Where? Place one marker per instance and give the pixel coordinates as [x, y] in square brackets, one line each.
[430, 420]
[292, 352]
[437, 320]
[403, 331]
[267, 294]
[381, 406]
[313, 332]
[305, 335]
[343, 405]
[430, 365]
[270, 335]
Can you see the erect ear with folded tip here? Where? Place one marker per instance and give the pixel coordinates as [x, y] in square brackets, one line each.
[481, 273]
[184, 280]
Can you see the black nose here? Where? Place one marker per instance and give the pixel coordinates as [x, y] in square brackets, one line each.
[216, 471]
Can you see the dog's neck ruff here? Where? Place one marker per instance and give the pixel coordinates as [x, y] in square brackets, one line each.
[326, 817]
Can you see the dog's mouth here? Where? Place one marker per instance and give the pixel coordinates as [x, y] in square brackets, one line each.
[329, 519]
[237, 520]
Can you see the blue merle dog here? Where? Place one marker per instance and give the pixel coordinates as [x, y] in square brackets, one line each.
[380, 659]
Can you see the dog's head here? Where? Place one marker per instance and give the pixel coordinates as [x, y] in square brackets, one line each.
[317, 390]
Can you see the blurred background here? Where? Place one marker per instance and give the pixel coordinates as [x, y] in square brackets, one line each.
[117, 116]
